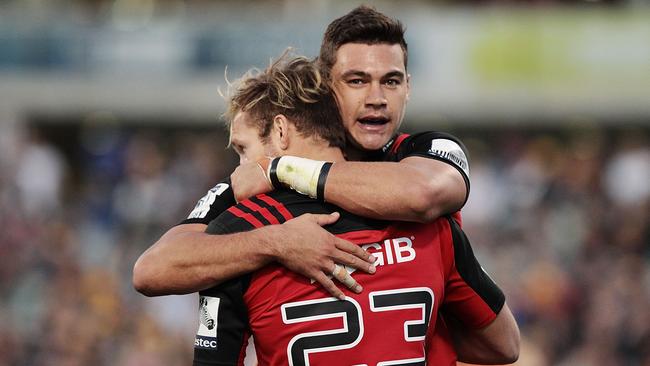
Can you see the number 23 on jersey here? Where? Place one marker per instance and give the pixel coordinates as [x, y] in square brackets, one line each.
[367, 333]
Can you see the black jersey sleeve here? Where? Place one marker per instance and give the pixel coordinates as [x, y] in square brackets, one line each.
[217, 200]
[223, 331]
[439, 146]
[476, 298]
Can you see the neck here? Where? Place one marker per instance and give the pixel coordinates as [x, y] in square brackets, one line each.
[355, 154]
[317, 150]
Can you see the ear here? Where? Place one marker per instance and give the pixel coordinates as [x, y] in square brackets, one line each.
[281, 131]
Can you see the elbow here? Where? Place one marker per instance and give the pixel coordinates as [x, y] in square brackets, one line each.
[514, 350]
[427, 203]
[143, 280]
[510, 349]
[438, 195]
[504, 339]
[510, 355]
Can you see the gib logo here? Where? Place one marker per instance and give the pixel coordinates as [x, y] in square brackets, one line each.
[392, 251]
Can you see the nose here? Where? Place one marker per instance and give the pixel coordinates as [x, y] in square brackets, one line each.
[376, 97]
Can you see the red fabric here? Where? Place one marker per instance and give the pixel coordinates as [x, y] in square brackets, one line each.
[279, 206]
[398, 141]
[263, 211]
[412, 259]
[456, 215]
[242, 352]
[246, 216]
[440, 347]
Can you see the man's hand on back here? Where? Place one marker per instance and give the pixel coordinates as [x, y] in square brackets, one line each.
[306, 248]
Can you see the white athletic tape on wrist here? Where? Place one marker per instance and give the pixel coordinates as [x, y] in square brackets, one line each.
[300, 174]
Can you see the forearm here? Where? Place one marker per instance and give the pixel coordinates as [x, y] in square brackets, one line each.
[496, 344]
[185, 261]
[392, 191]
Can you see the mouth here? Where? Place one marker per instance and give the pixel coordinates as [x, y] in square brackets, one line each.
[373, 120]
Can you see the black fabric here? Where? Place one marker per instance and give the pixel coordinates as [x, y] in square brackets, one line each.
[221, 203]
[274, 211]
[232, 319]
[228, 224]
[273, 174]
[258, 215]
[471, 271]
[298, 204]
[322, 178]
[232, 324]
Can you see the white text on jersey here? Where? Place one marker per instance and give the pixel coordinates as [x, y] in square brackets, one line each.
[392, 251]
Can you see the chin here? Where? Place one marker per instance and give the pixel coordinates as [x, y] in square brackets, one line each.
[371, 144]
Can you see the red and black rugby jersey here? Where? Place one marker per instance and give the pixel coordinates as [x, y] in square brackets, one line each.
[420, 268]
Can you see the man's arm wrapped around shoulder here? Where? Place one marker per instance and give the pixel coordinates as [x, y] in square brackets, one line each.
[186, 259]
[424, 176]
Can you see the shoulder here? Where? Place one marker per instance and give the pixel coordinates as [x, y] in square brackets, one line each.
[435, 145]
[212, 204]
[273, 208]
[280, 206]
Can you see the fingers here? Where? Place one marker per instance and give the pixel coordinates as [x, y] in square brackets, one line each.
[323, 220]
[354, 256]
[341, 274]
[354, 262]
[329, 285]
[355, 250]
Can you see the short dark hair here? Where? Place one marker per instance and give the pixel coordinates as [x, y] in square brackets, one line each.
[292, 86]
[365, 25]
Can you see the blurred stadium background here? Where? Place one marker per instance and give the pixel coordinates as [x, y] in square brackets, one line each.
[110, 132]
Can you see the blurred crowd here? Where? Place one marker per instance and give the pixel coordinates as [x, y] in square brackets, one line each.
[75, 218]
[562, 221]
[559, 217]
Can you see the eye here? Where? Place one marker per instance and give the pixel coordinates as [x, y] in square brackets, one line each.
[393, 82]
[357, 81]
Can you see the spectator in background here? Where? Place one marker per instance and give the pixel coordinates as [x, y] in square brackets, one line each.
[39, 176]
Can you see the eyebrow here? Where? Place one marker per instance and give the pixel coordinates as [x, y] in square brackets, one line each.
[358, 73]
[392, 74]
[363, 74]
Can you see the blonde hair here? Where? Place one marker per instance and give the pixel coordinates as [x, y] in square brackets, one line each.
[291, 86]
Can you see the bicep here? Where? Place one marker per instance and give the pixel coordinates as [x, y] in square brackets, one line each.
[172, 236]
[186, 228]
